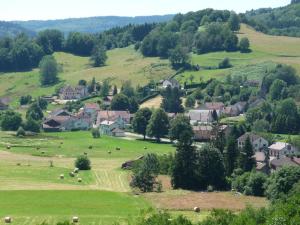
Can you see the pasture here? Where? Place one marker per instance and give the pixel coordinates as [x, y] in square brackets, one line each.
[266, 50]
[92, 207]
[122, 64]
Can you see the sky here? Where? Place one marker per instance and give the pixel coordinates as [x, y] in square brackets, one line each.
[60, 9]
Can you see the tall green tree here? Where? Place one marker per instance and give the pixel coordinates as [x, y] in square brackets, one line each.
[172, 102]
[48, 70]
[247, 160]
[120, 102]
[231, 154]
[244, 45]
[10, 120]
[184, 169]
[234, 22]
[99, 56]
[141, 120]
[180, 125]
[276, 89]
[158, 125]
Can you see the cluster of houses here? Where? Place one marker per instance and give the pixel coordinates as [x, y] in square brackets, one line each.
[202, 118]
[90, 116]
[272, 156]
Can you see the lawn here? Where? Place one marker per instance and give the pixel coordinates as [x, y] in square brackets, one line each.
[72, 144]
[92, 207]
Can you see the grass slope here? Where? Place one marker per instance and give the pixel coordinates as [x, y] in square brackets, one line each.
[92, 207]
[122, 64]
[266, 50]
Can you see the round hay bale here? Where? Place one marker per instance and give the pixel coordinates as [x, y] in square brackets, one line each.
[75, 219]
[145, 148]
[196, 209]
[61, 143]
[76, 170]
[118, 149]
[18, 164]
[79, 180]
[72, 174]
[43, 152]
[90, 147]
[7, 219]
[109, 152]
[8, 147]
[37, 148]
[62, 176]
[85, 153]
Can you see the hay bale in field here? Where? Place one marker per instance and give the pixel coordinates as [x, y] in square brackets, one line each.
[90, 147]
[43, 152]
[72, 174]
[7, 219]
[145, 148]
[75, 219]
[8, 147]
[37, 148]
[85, 153]
[118, 149]
[196, 209]
[18, 164]
[79, 180]
[76, 170]
[62, 176]
[61, 143]
[109, 152]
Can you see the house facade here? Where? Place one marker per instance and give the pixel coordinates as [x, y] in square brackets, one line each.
[258, 143]
[199, 116]
[73, 93]
[281, 149]
[170, 82]
[107, 115]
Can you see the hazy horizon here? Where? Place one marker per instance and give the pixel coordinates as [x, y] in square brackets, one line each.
[64, 9]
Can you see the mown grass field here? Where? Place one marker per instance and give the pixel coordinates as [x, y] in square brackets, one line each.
[122, 64]
[92, 207]
[266, 50]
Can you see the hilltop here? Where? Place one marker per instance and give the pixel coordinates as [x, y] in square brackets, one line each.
[90, 24]
[12, 29]
[278, 21]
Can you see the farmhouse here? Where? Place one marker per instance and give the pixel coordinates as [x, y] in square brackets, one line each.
[281, 149]
[170, 82]
[258, 143]
[278, 163]
[58, 123]
[236, 109]
[206, 132]
[200, 116]
[70, 93]
[218, 106]
[91, 109]
[112, 128]
[106, 115]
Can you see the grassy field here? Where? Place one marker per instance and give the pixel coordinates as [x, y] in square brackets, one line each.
[265, 50]
[72, 144]
[122, 64]
[92, 207]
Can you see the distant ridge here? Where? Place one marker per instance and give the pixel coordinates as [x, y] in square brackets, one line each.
[8, 29]
[90, 24]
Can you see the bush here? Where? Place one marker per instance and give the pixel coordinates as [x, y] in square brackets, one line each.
[225, 63]
[21, 132]
[83, 163]
[95, 133]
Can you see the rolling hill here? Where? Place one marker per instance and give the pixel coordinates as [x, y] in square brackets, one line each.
[278, 21]
[90, 24]
[11, 29]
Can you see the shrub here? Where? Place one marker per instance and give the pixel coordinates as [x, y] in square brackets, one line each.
[95, 133]
[21, 132]
[83, 163]
[225, 63]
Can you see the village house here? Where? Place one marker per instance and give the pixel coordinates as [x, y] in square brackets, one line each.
[278, 163]
[113, 116]
[261, 162]
[236, 109]
[107, 100]
[198, 116]
[281, 149]
[112, 128]
[218, 106]
[58, 123]
[258, 143]
[73, 93]
[206, 132]
[170, 82]
[91, 109]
